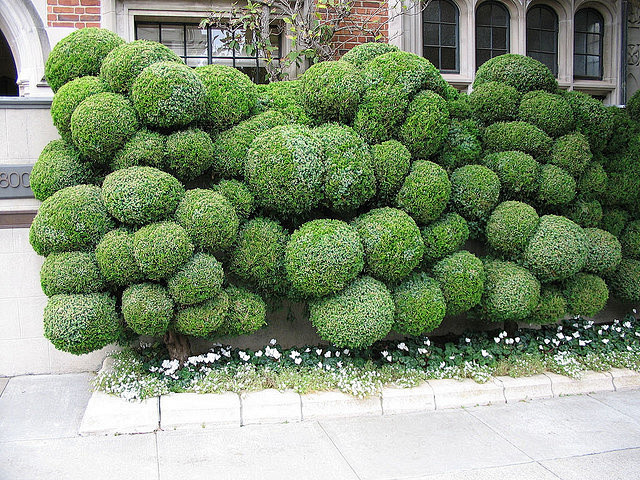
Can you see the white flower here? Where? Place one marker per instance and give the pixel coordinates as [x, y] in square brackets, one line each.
[298, 360]
[560, 336]
[626, 324]
[422, 351]
[427, 342]
[243, 356]
[273, 341]
[346, 351]
[384, 353]
[258, 353]
[485, 353]
[327, 354]
[467, 339]
[319, 364]
[517, 339]
[339, 364]
[576, 334]
[634, 311]
[546, 341]
[402, 346]
[318, 351]
[629, 348]
[388, 358]
[605, 340]
[293, 355]
[496, 339]
[581, 343]
[337, 353]
[276, 354]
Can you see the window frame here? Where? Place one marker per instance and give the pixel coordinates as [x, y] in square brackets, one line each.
[600, 35]
[439, 24]
[506, 27]
[540, 30]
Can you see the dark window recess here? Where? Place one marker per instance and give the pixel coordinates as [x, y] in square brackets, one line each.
[440, 31]
[8, 72]
[492, 31]
[587, 44]
[542, 36]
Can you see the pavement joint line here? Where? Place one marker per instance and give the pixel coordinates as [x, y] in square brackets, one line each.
[339, 451]
[612, 382]
[159, 414]
[301, 409]
[613, 408]
[241, 412]
[553, 393]
[381, 404]
[549, 470]
[614, 450]
[155, 434]
[504, 389]
[464, 470]
[435, 404]
[5, 386]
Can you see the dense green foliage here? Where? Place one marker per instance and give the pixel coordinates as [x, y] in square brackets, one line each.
[475, 190]
[147, 308]
[630, 240]
[443, 237]
[391, 164]
[426, 125]
[68, 97]
[555, 186]
[551, 308]
[521, 136]
[361, 54]
[188, 153]
[420, 305]
[523, 73]
[381, 113]
[518, 172]
[605, 251]
[203, 319]
[246, 314]
[161, 248]
[238, 195]
[571, 153]
[494, 102]
[461, 146]
[547, 111]
[625, 280]
[510, 227]
[197, 280]
[116, 258]
[461, 277]
[425, 192]
[586, 294]
[146, 147]
[71, 272]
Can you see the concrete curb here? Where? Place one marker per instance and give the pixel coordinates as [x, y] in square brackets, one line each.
[106, 414]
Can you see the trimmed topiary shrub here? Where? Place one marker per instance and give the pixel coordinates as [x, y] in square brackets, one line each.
[393, 246]
[203, 319]
[68, 97]
[285, 170]
[71, 272]
[391, 164]
[425, 192]
[592, 118]
[381, 113]
[459, 107]
[633, 107]
[555, 186]
[102, 124]
[420, 305]
[557, 250]
[475, 190]
[523, 136]
[115, 257]
[426, 125]
[462, 145]
[586, 213]
[239, 196]
[361, 54]
[494, 102]
[625, 280]
[284, 97]
[197, 280]
[518, 172]
[551, 308]
[79, 54]
[510, 227]
[630, 240]
[161, 248]
[247, 313]
[58, 166]
[571, 153]
[614, 220]
[523, 73]
[323, 256]
[355, 317]
[605, 251]
[209, 219]
[74, 218]
[144, 148]
[461, 277]
[189, 153]
[444, 237]
[593, 182]
[622, 189]
[550, 113]
[511, 292]
[168, 95]
[147, 308]
[586, 294]
[80, 324]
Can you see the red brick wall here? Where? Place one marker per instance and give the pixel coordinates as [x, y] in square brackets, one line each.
[73, 13]
[373, 16]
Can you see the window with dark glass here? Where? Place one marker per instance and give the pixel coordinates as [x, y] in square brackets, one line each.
[587, 44]
[542, 36]
[440, 35]
[492, 31]
[202, 46]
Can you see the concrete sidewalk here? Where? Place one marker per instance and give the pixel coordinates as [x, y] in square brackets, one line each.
[585, 437]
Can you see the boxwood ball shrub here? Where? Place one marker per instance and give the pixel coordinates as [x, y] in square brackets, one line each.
[572, 153]
[555, 186]
[285, 169]
[239, 196]
[145, 148]
[247, 313]
[361, 54]
[444, 237]
[81, 323]
[355, 317]
[605, 251]
[633, 107]
[189, 153]
[591, 118]
[557, 250]
[511, 292]
[586, 213]
[323, 256]
[79, 54]
[523, 73]
[518, 172]
[586, 294]
[426, 124]
[393, 245]
[68, 97]
[461, 278]
[520, 136]
[284, 97]
[475, 190]
[593, 182]
[161, 248]
[203, 319]
[147, 308]
[494, 102]
[381, 113]
[420, 305]
[391, 164]
[551, 308]
[510, 227]
[71, 272]
[115, 257]
[630, 240]
[425, 192]
[625, 280]
[459, 107]
[74, 218]
[102, 124]
[547, 111]
[614, 220]
[461, 146]
[209, 219]
[168, 95]
[197, 280]
[58, 166]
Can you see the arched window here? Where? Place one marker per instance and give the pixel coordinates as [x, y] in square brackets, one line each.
[8, 73]
[492, 31]
[542, 36]
[587, 44]
[440, 35]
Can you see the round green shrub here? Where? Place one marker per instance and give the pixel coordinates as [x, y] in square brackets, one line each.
[444, 237]
[586, 213]
[614, 220]
[622, 189]
[551, 308]
[593, 182]
[247, 313]
[68, 97]
[141, 195]
[591, 118]
[586, 294]
[168, 95]
[189, 153]
[391, 164]
[80, 324]
[147, 308]
[230, 96]
[522, 136]
[356, 317]
[425, 192]
[462, 145]
[285, 169]
[426, 124]
[74, 218]
[630, 240]
[203, 319]
[523, 73]
[494, 102]
[571, 153]
[209, 219]
[361, 54]
[555, 186]
[58, 166]
[349, 180]
[79, 54]
[511, 292]
[461, 277]
[144, 148]
[420, 305]
[323, 256]
[517, 171]
[238, 195]
[330, 91]
[622, 131]
[393, 246]
[197, 280]
[258, 255]
[71, 272]
[459, 107]
[557, 250]
[116, 260]
[161, 248]
[510, 227]
[605, 251]
[547, 111]
[475, 190]
[625, 280]
[101, 124]
[381, 113]
[633, 107]
[283, 96]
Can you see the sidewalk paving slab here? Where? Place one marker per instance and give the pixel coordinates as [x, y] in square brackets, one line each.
[107, 414]
[626, 402]
[523, 471]
[321, 405]
[625, 379]
[589, 382]
[466, 393]
[408, 400]
[270, 406]
[616, 465]
[3, 384]
[189, 410]
[526, 388]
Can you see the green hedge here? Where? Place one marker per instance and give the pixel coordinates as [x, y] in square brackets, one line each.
[426, 125]
[71, 272]
[510, 227]
[420, 305]
[518, 172]
[116, 259]
[461, 277]
[494, 102]
[475, 190]
[197, 280]
[425, 192]
[147, 308]
[67, 99]
[444, 237]
[511, 292]
[523, 73]
[161, 248]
